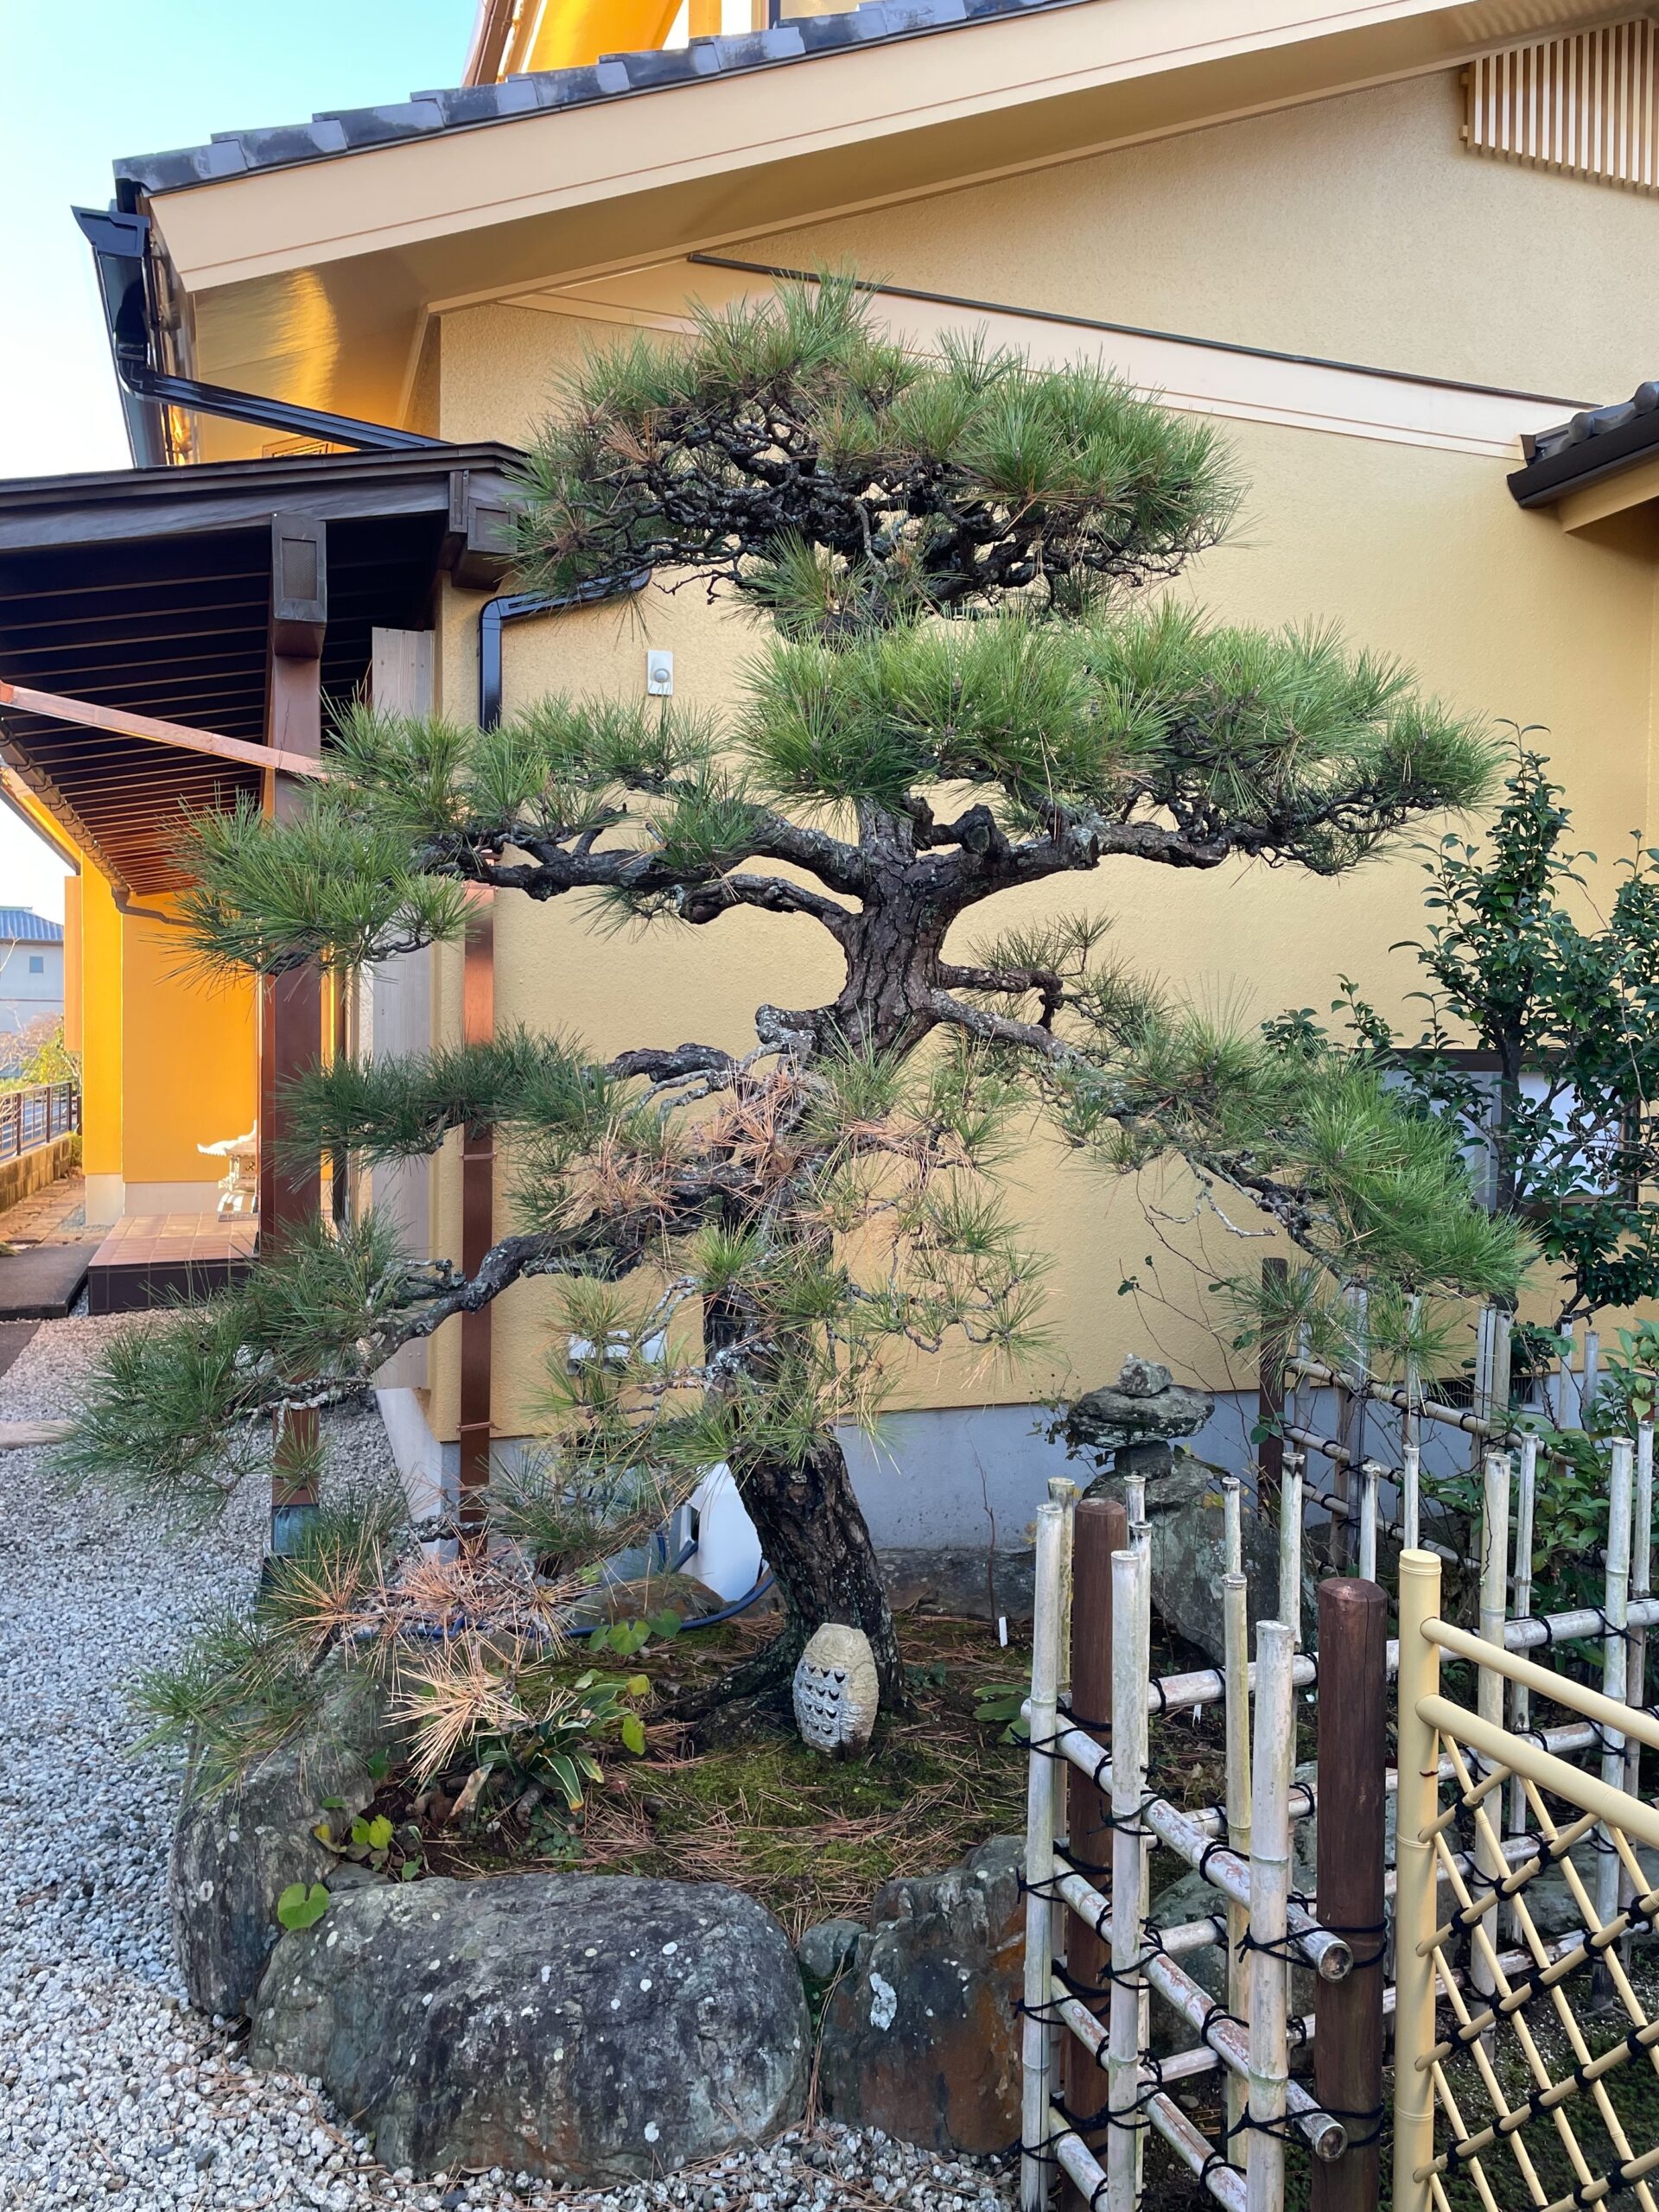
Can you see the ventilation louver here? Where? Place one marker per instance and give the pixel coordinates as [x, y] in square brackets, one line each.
[1586, 103]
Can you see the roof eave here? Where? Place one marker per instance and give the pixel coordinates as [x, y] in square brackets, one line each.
[1575, 468]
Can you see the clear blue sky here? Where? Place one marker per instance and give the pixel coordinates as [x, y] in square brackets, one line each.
[85, 83]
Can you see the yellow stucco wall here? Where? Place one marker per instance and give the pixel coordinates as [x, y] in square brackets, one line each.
[1356, 230]
[73, 1004]
[100, 1067]
[190, 1064]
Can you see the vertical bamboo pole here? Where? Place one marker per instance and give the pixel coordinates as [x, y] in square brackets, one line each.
[1591, 1382]
[1290, 1544]
[1491, 1390]
[1411, 1507]
[1411, 1420]
[1566, 1407]
[1353, 1404]
[1040, 1858]
[1489, 1684]
[1129, 1786]
[1063, 1492]
[1272, 1757]
[1101, 1528]
[1270, 1391]
[1616, 1605]
[1368, 1481]
[1418, 1803]
[1526, 1500]
[1232, 1526]
[1494, 1578]
[1635, 1685]
[1236, 1654]
[1353, 1760]
[1140, 1544]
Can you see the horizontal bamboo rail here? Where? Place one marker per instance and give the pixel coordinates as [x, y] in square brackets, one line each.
[1543, 1682]
[1328, 1956]
[1326, 2134]
[1497, 1748]
[1394, 1394]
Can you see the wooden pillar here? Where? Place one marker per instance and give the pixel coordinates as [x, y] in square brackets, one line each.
[1353, 1757]
[1101, 1527]
[291, 1194]
[477, 1219]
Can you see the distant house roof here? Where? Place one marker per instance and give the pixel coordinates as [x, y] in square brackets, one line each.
[614, 76]
[1596, 441]
[19, 926]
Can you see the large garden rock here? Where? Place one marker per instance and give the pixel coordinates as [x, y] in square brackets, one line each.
[920, 2035]
[1186, 1517]
[234, 1854]
[580, 2026]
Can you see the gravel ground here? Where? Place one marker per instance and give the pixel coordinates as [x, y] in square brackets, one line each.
[111, 2091]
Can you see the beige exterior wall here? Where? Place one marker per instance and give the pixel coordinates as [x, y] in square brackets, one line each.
[1358, 229]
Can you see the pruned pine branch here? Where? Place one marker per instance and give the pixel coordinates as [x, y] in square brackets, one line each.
[793, 452]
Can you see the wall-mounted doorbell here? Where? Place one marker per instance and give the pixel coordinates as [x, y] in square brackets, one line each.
[660, 674]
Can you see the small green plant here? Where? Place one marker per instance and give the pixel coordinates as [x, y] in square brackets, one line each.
[372, 1839]
[551, 1732]
[301, 1907]
[627, 1638]
[996, 1705]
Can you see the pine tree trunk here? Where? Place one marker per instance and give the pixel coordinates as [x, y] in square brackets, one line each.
[812, 1532]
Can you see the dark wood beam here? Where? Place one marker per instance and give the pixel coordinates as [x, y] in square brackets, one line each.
[290, 1190]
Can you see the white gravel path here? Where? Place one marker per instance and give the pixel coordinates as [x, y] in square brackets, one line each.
[112, 2093]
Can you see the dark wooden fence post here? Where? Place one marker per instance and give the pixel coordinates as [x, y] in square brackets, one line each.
[1270, 1395]
[1102, 1528]
[1353, 1755]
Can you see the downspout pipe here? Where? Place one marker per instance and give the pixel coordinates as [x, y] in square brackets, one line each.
[493, 617]
[517, 607]
[120, 245]
[478, 1025]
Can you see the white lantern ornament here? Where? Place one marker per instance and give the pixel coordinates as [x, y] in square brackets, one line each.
[837, 1691]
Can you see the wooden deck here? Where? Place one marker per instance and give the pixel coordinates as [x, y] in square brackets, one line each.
[157, 1259]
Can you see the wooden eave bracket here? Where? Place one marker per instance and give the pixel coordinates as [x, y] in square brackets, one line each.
[479, 542]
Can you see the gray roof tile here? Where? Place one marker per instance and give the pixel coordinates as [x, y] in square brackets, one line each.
[340, 130]
[1595, 422]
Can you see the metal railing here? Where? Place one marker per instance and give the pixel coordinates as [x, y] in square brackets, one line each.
[36, 1115]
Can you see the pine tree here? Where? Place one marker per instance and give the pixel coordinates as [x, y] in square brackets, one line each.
[962, 691]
